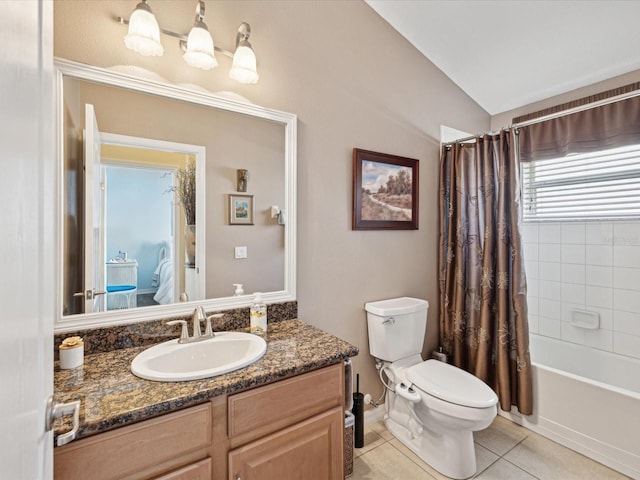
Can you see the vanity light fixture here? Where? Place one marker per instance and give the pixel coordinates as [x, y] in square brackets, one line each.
[144, 33]
[144, 38]
[199, 51]
[244, 60]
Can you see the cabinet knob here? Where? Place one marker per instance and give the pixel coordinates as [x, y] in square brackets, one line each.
[238, 477]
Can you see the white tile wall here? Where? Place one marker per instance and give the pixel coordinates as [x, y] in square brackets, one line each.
[598, 276]
[573, 254]
[573, 233]
[599, 233]
[593, 266]
[626, 278]
[599, 255]
[573, 273]
[626, 256]
[627, 322]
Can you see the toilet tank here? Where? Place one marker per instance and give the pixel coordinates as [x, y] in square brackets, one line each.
[396, 327]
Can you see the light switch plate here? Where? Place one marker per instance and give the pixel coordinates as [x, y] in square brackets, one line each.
[241, 252]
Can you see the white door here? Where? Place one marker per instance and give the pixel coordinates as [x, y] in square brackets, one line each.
[27, 239]
[94, 218]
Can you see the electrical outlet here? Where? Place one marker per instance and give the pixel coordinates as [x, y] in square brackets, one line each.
[241, 252]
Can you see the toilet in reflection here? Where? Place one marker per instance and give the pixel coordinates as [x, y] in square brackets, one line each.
[431, 407]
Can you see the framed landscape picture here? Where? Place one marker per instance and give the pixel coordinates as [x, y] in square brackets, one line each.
[385, 191]
[240, 209]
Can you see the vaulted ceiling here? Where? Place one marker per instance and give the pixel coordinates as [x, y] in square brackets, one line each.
[509, 53]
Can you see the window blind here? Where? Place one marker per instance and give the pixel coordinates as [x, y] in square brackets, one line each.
[597, 185]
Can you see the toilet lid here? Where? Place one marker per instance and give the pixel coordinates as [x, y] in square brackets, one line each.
[451, 384]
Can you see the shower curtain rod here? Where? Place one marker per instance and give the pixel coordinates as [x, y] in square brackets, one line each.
[561, 113]
[471, 137]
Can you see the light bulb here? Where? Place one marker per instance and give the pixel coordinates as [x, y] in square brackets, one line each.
[244, 64]
[144, 33]
[199, 51]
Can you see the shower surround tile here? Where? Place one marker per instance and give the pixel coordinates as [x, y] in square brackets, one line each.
[599, 255]
[625, 344]
[573, 233]
[626, 278]
[598, 271]
[573, 254]
[600, 233]
[626, 256]
[599, 276]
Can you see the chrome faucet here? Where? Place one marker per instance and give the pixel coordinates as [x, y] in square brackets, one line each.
[197, 317]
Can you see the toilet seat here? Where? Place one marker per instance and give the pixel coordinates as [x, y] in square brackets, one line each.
[451, 384]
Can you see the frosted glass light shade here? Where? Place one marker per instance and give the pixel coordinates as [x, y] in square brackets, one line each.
[244, 65]
[144, 33]
[199, 51]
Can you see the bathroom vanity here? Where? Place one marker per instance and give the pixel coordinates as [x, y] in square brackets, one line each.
[281, 417]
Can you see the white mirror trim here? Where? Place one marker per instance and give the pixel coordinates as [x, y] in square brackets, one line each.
[67, 68]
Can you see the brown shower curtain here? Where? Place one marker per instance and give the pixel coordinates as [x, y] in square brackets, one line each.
[483, 306]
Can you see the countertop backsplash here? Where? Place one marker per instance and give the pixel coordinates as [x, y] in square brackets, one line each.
[150, 332]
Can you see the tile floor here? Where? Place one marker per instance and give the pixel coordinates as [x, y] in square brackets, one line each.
[504, 451]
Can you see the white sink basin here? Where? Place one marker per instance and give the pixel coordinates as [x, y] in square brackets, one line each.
[174, 362]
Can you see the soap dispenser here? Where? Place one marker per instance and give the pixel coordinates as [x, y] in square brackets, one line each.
[239, 289]
[258, 315]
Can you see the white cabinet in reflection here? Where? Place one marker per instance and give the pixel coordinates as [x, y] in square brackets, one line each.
[191, 282]
[122, 284]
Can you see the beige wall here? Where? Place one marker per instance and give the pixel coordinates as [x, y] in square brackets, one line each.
[353, 81]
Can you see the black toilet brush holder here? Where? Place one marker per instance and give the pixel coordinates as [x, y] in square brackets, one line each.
[358, 413]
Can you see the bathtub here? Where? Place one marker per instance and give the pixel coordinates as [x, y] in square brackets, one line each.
[587, 400]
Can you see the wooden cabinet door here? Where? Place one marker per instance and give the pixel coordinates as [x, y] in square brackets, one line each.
[309, 450]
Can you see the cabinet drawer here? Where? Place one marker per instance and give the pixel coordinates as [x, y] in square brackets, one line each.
[196, 471]
[284, 403]
[140, 450]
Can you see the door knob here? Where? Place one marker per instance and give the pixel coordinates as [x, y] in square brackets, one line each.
[89, 294]
[59, 410]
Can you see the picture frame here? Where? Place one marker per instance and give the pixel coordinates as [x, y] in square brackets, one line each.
[240, 209]
[385, 191]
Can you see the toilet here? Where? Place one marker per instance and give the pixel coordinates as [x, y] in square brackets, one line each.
[430, 406]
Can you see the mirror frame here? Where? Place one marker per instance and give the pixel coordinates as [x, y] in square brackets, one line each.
[67, 68]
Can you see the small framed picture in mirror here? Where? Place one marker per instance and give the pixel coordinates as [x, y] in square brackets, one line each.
[240, 209]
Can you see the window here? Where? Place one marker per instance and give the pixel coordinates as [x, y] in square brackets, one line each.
[597, 185]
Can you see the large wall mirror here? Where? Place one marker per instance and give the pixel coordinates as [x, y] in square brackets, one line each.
[125, 143]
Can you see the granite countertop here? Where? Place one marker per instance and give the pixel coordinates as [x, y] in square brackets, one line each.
[111, 396]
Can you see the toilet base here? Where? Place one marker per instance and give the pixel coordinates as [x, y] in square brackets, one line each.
[452, 454]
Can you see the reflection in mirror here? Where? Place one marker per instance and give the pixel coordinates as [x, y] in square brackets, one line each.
[139, 247]
[123, 230]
